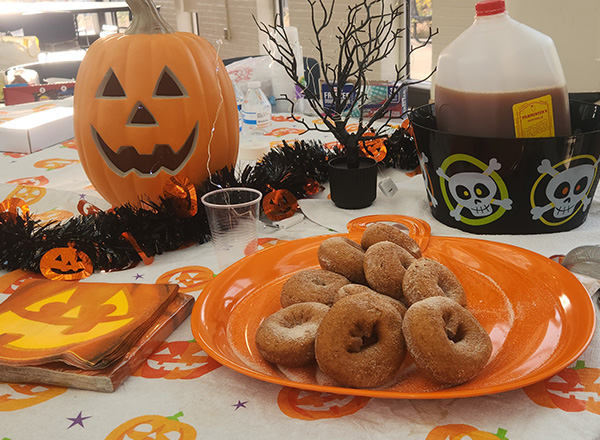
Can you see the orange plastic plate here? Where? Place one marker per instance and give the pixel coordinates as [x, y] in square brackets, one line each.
[538, 315]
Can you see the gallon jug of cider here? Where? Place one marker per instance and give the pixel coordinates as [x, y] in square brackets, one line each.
[501, 79]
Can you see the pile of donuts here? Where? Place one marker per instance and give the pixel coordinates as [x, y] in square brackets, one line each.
[367, 307]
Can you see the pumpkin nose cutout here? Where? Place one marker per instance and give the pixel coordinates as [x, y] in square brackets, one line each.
[140, 115]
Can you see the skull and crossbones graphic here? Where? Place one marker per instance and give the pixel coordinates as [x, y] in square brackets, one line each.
[475, 191]
[566, 189]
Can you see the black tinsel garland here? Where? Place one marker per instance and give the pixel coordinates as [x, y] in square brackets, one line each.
[157, 228]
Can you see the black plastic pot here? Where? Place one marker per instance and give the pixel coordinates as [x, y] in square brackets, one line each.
[353, 188]
[510, 186]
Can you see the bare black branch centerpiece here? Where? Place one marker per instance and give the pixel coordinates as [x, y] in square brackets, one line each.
[368, 34]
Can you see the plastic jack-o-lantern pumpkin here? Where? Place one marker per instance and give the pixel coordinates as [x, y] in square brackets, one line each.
[151, 104]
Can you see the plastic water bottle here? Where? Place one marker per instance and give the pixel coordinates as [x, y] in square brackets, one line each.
[239, 97]
[501, 79]
[256, 110]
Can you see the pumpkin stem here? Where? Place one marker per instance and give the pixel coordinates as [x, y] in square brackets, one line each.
[176, 416]
[146, 19]
[501, 434]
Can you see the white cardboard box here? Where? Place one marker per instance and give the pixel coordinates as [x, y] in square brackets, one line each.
[26, 128]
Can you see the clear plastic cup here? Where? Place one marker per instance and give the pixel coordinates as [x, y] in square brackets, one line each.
[233, 219]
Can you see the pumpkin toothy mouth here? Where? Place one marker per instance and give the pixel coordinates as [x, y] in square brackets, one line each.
[173, 365]
[583, 396]
[67, 272]
[127, 159]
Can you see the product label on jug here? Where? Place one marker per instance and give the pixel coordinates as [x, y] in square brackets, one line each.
[534, 118]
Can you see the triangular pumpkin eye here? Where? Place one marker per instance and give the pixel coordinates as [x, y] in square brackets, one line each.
[169, 86]
[110, 87]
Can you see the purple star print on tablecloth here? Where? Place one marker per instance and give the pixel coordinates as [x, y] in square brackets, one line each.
[240, 404]
[138, 276]
[77, 420]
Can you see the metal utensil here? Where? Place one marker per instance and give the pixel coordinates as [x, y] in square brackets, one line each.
[584, 260]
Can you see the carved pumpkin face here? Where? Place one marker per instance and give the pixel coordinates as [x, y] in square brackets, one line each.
[178, 360]
[572, 389]
[18, 396]
[54, 164]
[31, 181]
[65, 263]
[29, 194]
[312, 405]
[154, 427]
[466, 432]
[279, 204]
[49, 320]
[145, 107]
[189, 278]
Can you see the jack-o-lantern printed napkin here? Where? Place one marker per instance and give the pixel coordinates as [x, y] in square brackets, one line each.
[87, 325]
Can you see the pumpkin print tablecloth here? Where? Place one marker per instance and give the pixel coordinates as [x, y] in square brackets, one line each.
[181, 393]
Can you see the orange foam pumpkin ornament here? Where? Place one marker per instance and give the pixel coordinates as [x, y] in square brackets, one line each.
[150, 104]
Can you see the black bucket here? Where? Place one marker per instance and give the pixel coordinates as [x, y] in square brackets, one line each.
[510, 186]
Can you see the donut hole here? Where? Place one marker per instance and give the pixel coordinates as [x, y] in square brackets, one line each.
[362, 337]
[454, 329]
[458, 336]
[455, 334]
[294, 320]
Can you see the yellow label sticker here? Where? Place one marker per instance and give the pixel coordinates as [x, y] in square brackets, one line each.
[534, 118]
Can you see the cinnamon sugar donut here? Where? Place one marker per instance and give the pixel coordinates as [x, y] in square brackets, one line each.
[344, 256]
[384, 265]
[353, 289]
[445, 340]
[312, 285]
[359, 342]
[426, 278]
[376, 232]
[287, 337]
